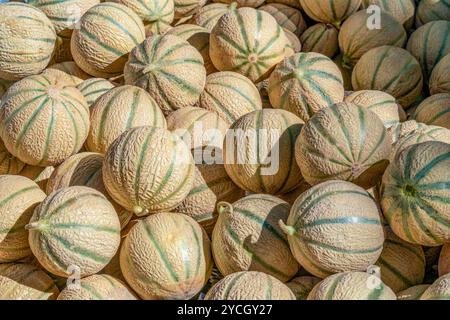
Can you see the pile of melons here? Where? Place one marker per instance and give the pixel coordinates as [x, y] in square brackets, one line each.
[105, 195]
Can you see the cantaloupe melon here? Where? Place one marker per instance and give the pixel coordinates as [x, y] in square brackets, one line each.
[434, 110]
[432, 10]
[358, 35]
[302, 286]
[344, 142]
[382, 104]
[97, 287]
[429, 44]
[352, 286]
[74, 227]
[43, 121]
[248, 41]
[8, 163]
[187, 8]
[230, 95]
[414, 189]
[444, 260]
[294, 41]
[305, 83]
[19, 197]
[27, 40]
[402, 129]
[328, 11]
[321, 38]
[287, 17]
[76, 75]
[40, 175]
[166, 256]
[247, 237]
[170, 69]
[259, 153]
[208, 15]
[104, 54]
[158, 172]
[250, 285]
[327, 241]
[439, 290]
[413, 293]
[94, 88]
[402, 10]
[20, 281]
[392, 70]
[440, 77]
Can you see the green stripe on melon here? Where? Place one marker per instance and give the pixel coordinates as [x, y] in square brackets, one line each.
[434, 110]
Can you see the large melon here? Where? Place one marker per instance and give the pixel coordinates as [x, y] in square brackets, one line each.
[432, 10]
[103, 54]
[321, 38]
[413, 293]
[8, 163]
[302, 286]
[444, 260]
[287, 17]
[94, 88]
[208, 15]
[440, 77]
[305, 83]
[27, 40]
[439, 290]
[330, 11]
[402, 10]
[434, 110]
[166, 256]
[414, 189]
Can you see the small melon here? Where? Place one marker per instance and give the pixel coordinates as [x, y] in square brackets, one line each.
[434, 110]
[334, 12]
[94, 88]
[209, 15]
[321, 38]
[432, 10]
[287, 17]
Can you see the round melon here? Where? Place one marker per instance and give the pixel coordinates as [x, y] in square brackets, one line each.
[344, 142]
[382, 104]
[444, 260]
[439, 290]
[429, 44]
[148, 169]
[413, 293]
[43, 121]
[352, 286]
[97, 287]
[19, 197]
[20, 281]
[321, 38]
[250, 285]
[230, 95]
[259, 153]
[187, 8]
[166, 256]
[432, 10]
[440, 77]
[302, 286]
[327, 241]
[402, 10]
[247, 237]
[8, 163]
[248, 41]
[170, 69]
[117, 111]
[104, 54]
[74, 227]
[414, 193]
[434, 110]
[287, 17]
[94, 88]
[326, 11]
[40, 175]
[402, 129]
[356, 38]
[208, 15]
[392, 70]
[305, 83]
[294, 41]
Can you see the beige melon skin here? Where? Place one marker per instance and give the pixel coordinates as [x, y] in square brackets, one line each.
[302, 286]
[43, 121]
[157, 175]
[77, 76]
[344, 142]
[74, 227]
[402, 10]
[97, 287]
[27, 40]
[238, 43]
[259, 153]
[247, 237]
[439, 290]
[208, 15]
[402, 129]
[334, 12]
[250, 285]
[187, 8]
[346, 238]
[19, 197]
[170, 69]
[440, 77]
[305, 83]
[352, 286]
[434, 110]
[166, 256]
[94, 88]
[413, 293]
[243, 3]
[294, 41]
[8, 163]
[287, 17]
[118, 110]
[230, 95]
[432, 10]
[104, 54]
[21, 281]
[321, 38]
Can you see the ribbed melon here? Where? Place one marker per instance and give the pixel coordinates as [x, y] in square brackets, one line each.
[287, 17]
[208, 15]
[248, 41]
[434, 110]
[166, 256]
[402, 129]
[439, 290]
[72, 70]
[355, 37]
[352, 286]
[305, 83]
[321, 38]
[59, 77]
[250, 285]
[440, 77]
[43, 121]
[158, 172]
[118, 110]
[413, 293]
[414, 189]
[302, 286]
[429, 44]
[74, 226]
[382, 104]
[20, 281]
[432, 10]
[98, 287]
[187, 8]
[330, 11]
[94, 88]
[230, 95]
[345, 142]
[40, 175]
[295, 43]
[444, 260]
[170, 69]
[8, 163]
[402, 10]
[247, 237]
[19, 196]
[327, 241]
[104, 54]
[27, 40]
